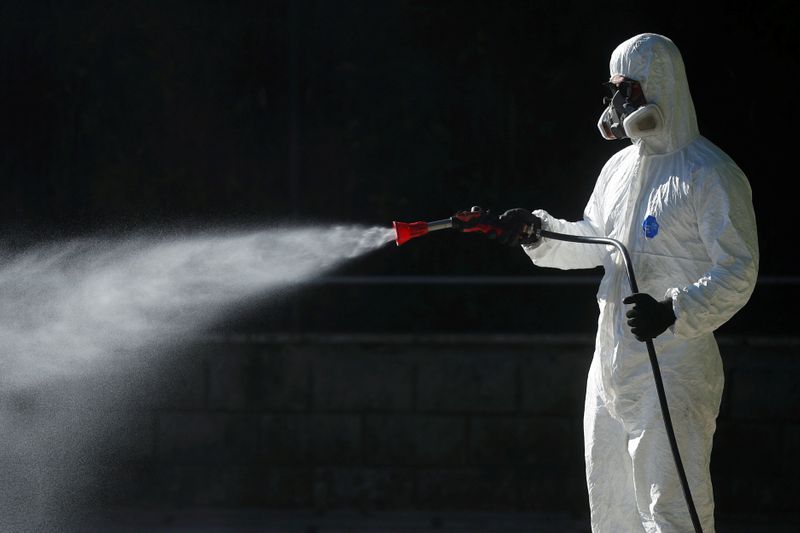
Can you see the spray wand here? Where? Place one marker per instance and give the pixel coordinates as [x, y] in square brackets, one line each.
[477, 220]
[474, 220]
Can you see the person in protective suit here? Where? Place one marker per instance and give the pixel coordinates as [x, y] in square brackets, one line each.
[684, 210]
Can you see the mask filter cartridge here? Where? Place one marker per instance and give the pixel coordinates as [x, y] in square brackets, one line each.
[627, 114]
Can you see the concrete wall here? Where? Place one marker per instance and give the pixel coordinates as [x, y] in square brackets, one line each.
[398, 422]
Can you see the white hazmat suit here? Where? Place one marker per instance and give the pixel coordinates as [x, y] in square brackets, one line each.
[684, 210]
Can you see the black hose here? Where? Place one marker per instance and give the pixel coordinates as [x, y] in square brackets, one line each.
[651, 351]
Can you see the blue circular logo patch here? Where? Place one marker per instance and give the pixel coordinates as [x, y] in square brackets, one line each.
[650, 227]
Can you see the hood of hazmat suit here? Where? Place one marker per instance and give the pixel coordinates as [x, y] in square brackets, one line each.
[684, 210]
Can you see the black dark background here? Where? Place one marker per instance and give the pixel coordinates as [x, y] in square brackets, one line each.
[193, 114]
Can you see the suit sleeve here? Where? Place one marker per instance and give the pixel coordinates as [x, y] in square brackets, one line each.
[727, 225]
[568, 255]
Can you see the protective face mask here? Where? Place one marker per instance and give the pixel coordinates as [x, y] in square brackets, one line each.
[628, 115]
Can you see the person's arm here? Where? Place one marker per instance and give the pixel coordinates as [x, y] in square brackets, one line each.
[727, 224]
[568, 255]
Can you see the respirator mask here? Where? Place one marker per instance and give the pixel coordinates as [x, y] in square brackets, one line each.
[628, 114]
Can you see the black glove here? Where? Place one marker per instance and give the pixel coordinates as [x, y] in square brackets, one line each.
[649, 318]
[519, 227]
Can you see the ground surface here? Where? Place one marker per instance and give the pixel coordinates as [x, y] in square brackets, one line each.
[235, 521]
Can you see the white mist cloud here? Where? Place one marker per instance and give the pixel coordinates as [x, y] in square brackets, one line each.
[76, 318]
[67, 307]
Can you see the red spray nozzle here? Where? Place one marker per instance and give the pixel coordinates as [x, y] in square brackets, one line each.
[465, 221]
[405, 231]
